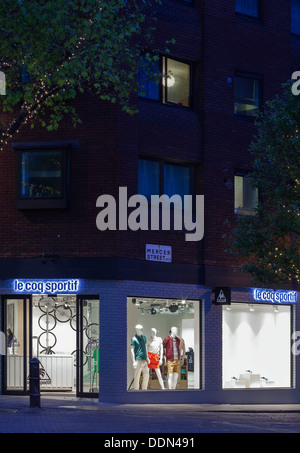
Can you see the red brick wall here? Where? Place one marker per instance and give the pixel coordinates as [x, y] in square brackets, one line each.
[218, 43]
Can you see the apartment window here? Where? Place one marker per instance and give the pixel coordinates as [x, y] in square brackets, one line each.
[166, 80]
[250, 8]
[159, 177]
[42, 175]
[247, 95]
[295, 17]
[245, 195]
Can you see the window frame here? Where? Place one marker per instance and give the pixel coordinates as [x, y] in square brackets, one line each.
[244, 210]
[257, 18]
[45, 203]
[252, 76]
[162, 162]
[163, 92]
[292, 31]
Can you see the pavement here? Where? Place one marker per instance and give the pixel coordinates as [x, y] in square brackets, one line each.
[66, 414]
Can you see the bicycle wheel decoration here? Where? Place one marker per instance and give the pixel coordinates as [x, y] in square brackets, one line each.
[47, 304]
[47, 322]
[92, 331]
[47, 340]
[63, 313]
[73, 322]
[77, 355]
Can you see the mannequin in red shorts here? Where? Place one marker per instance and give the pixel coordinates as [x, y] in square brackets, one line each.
[155, 354]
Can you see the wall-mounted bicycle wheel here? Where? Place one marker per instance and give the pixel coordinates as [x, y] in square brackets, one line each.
[63, 313]
[84, 357]
[73, 322]
[47, 340]
[92, 331]
[47, 322]
[47, 304]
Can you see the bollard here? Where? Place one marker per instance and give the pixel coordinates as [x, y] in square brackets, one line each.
[34, 382]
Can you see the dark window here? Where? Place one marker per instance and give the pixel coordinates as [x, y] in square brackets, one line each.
[247, 95]
[158, 177]
[149, 79]
[149, 177]
[295, 17]
[42, 175]
[250, 8]
[167, 80]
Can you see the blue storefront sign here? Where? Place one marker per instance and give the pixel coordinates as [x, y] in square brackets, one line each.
[274, 297]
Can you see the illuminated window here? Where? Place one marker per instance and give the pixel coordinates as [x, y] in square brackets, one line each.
[245, 196]
[247, 95]
[166, 80]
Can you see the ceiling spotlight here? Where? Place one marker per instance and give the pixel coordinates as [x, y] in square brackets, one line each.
[276, 309]
[153, 311]
[251, 308]
[183, 301]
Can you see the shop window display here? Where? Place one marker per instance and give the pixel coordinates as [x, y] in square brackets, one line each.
[163, 342]
[256, 346]
[54, 342]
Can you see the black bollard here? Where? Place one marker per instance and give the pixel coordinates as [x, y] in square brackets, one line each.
[34, 382]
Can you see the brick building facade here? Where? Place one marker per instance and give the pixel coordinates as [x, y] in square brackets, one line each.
[221, 45]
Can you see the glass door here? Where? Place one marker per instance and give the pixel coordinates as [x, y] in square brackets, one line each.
[17, 326]
[87, 359]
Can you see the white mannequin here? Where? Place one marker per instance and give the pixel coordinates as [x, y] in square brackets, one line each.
[156, 346]
[140, 365]
[173, 377]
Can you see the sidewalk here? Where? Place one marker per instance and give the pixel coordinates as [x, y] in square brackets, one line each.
[65, 414]
[72, 402]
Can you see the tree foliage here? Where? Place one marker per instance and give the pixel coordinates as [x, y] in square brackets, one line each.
[50, 50]
[269, 241]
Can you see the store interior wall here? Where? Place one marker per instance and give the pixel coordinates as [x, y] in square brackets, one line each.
[259, 341]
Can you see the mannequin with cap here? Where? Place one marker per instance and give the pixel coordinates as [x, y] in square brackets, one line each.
[155, 354]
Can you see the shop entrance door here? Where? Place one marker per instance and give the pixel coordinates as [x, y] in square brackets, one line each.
[62, 331]
[88, 346]
[17, 327]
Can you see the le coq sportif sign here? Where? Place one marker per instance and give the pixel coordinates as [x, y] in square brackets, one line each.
[46, 286]
[275, 297]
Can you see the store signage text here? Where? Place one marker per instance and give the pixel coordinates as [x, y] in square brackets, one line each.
[275, 297]
[162, 253]
[46, 286]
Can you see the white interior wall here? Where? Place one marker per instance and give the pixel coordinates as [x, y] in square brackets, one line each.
[258, 341]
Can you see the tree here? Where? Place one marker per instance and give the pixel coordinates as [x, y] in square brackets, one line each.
[51, 50]
[268, 243]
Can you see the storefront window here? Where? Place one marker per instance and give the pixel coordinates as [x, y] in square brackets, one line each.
[256, 346]
[163, 337]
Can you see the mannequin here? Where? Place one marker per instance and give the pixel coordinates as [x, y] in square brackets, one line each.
[155, 354]
[173, 347]
[140, 360]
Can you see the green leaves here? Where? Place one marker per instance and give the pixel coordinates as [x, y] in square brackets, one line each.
[68, 47]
